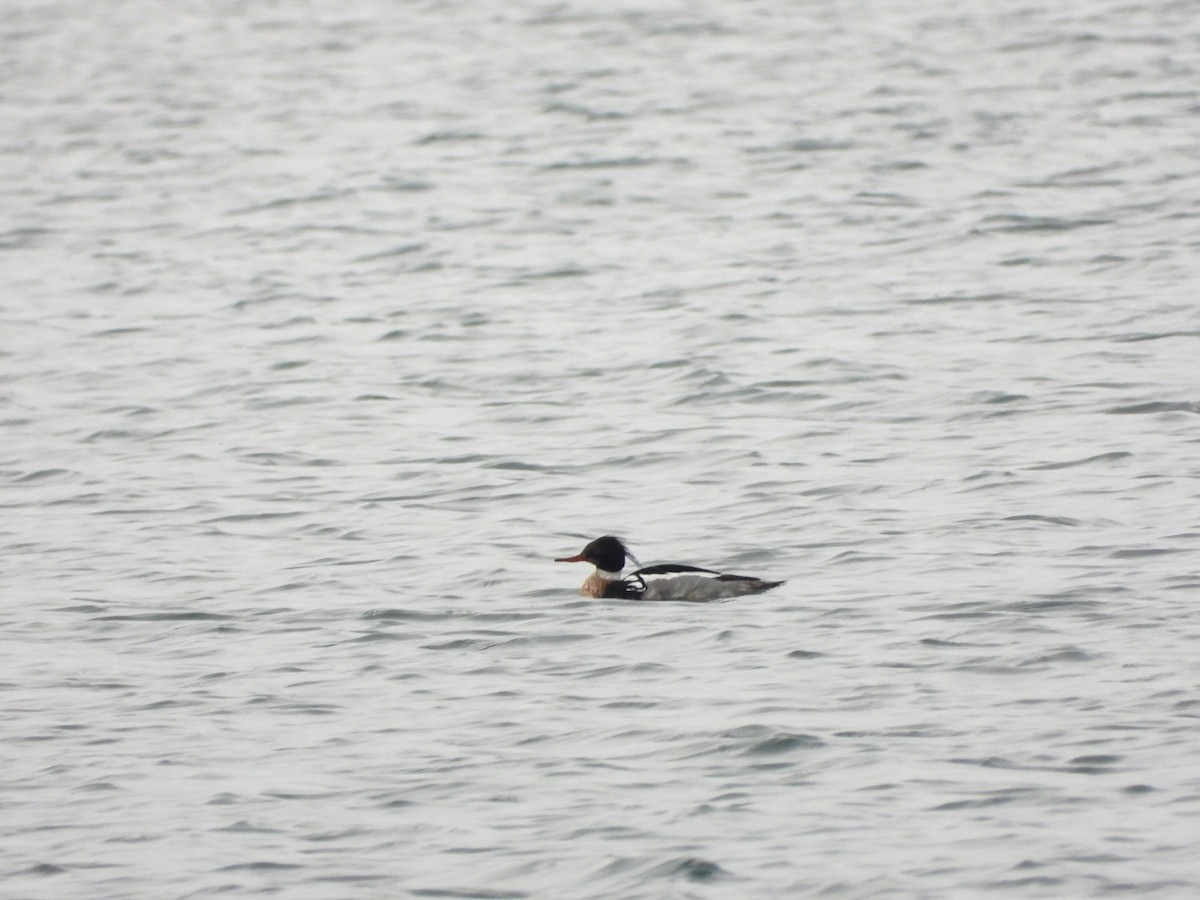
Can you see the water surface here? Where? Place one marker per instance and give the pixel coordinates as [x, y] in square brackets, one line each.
[326, 327]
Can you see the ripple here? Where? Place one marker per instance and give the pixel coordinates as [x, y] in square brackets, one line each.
[469, 893]
[691, 868]
[784, 743]
[1100, 457]
[259, 866]
[1155, 406]
[1048, 520]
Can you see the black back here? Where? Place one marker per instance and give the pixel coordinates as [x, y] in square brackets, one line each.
[670, 569]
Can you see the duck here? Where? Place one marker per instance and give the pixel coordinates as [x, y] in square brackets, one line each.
[668, 581]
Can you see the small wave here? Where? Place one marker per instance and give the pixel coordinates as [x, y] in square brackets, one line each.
[1064, 654]
[997, 799]
[540, 639]
[972, 610]
[299, 200]
[1052, 602]
[1099, 457]
[585, 112]
[691, 868]
[1142, 552]
[447, 137]
[1156, 406]
[468, 893]
[941, 299]
[167, 617]
[346, 878]
[986, 762]
[1018, 224]
[398, 250]
[630, 704]
[252, 517]
[622, 162]
[784, 743]
[1153, 336]
[405, 615]
[42, 869]
[243, 827]
[120, 434]
[1033, 881]
[259, 866]
[814, 145]
[1100, 759]
[995, 397]
[378, 636]
[42, 474]
[1049, 520]
[462, 644]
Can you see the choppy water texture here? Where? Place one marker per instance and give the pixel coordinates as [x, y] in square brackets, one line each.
[326, 326]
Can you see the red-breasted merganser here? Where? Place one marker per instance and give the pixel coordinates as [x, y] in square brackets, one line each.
[670, 581]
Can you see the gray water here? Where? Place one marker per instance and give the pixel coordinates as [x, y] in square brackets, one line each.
[326, 326]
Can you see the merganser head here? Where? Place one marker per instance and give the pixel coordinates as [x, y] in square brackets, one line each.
[605, 553]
